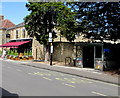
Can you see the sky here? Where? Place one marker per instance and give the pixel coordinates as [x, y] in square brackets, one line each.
[14, 11]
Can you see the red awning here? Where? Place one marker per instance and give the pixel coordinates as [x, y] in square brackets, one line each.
[13, 44]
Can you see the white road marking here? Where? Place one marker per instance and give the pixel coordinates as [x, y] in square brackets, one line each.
[68, 85]
[99, 94]
[47, 78]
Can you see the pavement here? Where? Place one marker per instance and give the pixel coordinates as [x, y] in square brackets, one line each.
[81, 72]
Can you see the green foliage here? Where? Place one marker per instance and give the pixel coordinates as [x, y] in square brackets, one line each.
[12, 53]
[45, 16]
[100, 20]
[0, 52]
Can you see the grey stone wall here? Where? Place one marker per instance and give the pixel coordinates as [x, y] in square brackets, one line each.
[79, 51]
[63, 50]
[2, 37]
[37, 50]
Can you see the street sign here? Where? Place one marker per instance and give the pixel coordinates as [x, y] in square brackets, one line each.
[51, 50]
[50, 39]
[50, 35]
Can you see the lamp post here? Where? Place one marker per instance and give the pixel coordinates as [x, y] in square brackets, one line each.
[51, 47]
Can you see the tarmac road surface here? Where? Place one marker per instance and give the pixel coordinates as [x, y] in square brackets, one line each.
[29, 81]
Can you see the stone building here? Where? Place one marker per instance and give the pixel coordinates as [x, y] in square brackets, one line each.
[87, 52]
[14, 33]
[4, 25]
[62, 48]
[20, 41]
[18, 32]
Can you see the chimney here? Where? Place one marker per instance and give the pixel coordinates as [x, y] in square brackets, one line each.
[1, 17]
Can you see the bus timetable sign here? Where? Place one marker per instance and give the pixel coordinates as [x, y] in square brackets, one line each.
[50, 39]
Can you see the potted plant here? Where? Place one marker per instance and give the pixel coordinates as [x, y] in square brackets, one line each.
[10, 57]
[17, 58]
[30, 57]
[13, 57]
[24, 58]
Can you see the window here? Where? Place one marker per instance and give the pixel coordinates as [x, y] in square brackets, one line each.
[16, 33]
[23, 33]
[98, 52]
[7, 35]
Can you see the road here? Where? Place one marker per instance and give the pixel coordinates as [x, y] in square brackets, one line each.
[21, 80]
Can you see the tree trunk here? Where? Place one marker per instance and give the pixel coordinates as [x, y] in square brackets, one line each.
[47, 53]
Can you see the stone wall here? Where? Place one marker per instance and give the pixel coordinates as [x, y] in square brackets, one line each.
[37, 50]
[63, 50]
[2, 37]
[79, 51]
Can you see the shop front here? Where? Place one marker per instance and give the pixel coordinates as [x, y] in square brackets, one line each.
[18, 48]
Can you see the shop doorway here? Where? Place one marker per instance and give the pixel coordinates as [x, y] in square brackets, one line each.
[88, 56]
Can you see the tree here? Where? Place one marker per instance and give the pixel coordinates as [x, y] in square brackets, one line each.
[100, 20]
[45, 16]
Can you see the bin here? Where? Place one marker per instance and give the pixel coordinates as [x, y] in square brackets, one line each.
[74, 61]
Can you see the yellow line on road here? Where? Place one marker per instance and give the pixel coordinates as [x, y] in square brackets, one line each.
[30, 73]
[47, 78]
[102, 82]
[19, 70]
[68, 85]
[59, 79]
[99, 94]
